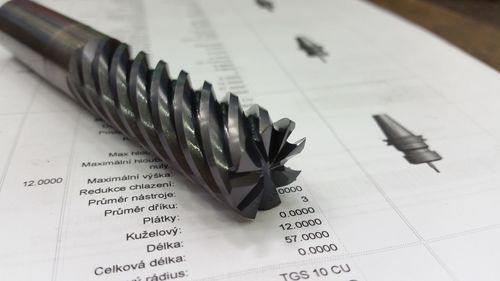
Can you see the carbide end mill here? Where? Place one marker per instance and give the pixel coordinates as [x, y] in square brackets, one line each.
[237, 157]
[414, 147]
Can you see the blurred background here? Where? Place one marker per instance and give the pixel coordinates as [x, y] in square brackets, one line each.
[473, 25]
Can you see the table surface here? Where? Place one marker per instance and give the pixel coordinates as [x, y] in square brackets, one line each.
[472, 25]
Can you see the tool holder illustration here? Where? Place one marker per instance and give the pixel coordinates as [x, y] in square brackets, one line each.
[414, 147]
[311, 48]
[266, 4]
[236, 156]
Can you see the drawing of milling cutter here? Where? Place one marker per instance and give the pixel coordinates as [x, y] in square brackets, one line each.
[414, 147]
[238, 157]
[312, 49]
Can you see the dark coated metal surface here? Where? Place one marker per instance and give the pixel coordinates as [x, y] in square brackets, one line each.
[237, 156]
